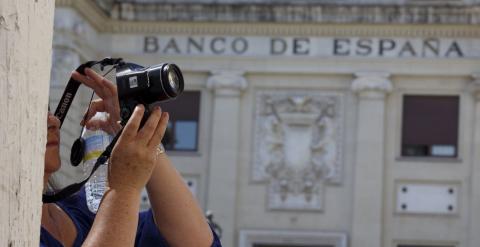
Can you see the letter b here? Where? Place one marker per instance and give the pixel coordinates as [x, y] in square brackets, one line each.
[150, 44]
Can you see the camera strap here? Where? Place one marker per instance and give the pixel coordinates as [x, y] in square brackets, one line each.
[78, 147]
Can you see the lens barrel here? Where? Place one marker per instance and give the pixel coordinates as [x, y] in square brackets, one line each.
[156, 83]
[172, 80]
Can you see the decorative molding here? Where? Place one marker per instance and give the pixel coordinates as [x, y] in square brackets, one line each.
[297, 146]
[90, 11]
[282, 29]
[104, 23]
[296, 12]
[251, 238]
[367, 83]
[223, 82]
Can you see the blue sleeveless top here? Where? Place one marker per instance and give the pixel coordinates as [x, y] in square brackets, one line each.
[76, 208]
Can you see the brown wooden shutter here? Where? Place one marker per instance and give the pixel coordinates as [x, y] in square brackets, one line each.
[430, 120]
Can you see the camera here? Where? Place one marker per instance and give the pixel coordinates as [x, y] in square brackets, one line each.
[135, 85]
[139, 85]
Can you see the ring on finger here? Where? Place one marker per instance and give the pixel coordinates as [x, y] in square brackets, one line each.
[160, 149]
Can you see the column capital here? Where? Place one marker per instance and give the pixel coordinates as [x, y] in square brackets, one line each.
[474, 86]
[227, 82]
[372, 84]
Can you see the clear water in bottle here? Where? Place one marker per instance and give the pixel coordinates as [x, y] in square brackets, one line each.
[96, 141]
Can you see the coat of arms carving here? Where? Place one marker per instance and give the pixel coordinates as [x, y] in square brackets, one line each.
[297, 146]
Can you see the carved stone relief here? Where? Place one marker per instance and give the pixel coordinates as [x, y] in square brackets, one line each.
[297, 146]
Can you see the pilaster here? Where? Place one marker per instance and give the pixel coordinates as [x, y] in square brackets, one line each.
[474, 237]
[227, 87]
[371, 88]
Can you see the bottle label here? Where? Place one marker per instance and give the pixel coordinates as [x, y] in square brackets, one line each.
[95, 145]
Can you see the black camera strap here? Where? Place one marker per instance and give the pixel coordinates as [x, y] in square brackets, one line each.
[78, 147]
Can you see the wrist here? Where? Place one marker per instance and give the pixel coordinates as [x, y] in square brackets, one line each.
[126, 190]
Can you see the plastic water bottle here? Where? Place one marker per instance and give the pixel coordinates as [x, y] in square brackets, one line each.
[96, 141]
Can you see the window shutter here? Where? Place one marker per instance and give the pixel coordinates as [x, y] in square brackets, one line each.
[430, 120]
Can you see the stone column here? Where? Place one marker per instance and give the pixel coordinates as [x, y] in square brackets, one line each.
[227, 87]
[474, 236]
[371, 89]
[25, 58]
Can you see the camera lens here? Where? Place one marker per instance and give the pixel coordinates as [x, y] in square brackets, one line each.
[173, 80]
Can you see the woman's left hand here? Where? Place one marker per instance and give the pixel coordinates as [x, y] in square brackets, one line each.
[108, 102]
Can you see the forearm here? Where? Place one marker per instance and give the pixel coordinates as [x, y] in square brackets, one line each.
[116, 220]
[177, 213]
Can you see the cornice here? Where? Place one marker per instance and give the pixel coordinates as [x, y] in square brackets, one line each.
[90, 11]
[302, 12]
[277, 29]
[103, 23]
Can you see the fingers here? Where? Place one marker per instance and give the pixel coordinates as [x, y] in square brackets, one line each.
[109, 125]
[105, 89]
[159, 131]
[147, 131]
[104, 125]
[108, 93]
[89, 83]
[96, 105]
[94, 124]
[152, 132]
[115, 125]
[102, 87]
[131, 128]
[52, 121]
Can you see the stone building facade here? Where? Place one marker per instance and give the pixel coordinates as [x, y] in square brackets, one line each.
[318, 123]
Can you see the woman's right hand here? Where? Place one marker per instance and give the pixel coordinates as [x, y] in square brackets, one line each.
[134, 155]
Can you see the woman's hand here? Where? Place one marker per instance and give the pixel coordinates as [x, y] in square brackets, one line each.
[134, 156]
[131, 164]
[108, 102]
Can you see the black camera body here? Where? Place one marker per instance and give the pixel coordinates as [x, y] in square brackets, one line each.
[139, 85]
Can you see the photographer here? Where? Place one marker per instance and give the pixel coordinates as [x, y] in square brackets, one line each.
[175, 218]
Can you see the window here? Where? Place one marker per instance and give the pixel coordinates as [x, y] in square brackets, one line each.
[402, 245]
[289, 245]
[182, 131]
[430, 126]
[282, 238]
[436, 1]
